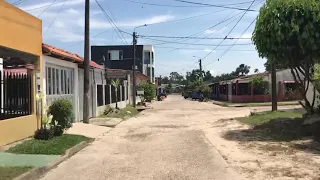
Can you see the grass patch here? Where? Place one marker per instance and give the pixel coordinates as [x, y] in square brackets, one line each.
[9, 173]
[56, 146]
[283, 103]
[263, 117]
[128, 111]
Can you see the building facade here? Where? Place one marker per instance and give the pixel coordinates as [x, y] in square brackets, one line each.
[121, 57]
[20, 48]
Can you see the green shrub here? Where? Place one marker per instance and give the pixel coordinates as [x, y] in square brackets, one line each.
[62, 112]
[149, 91]
[43, 134]
[57, 130]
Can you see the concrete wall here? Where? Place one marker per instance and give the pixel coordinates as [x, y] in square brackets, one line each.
[23, 32]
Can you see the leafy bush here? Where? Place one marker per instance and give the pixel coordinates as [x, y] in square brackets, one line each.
[62, 112]
[43, 134]
[206, 90]
[149, 91]
[259, 85]
[57, 130]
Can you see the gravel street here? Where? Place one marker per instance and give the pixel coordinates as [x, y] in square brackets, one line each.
[166, 142]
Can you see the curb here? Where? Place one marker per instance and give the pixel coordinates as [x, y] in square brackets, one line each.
[36, 173]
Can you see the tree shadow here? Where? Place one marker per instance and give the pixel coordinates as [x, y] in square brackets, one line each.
[278, 130]
[281, 129]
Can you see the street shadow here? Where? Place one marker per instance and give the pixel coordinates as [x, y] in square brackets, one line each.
[280, 129]
[310, 147]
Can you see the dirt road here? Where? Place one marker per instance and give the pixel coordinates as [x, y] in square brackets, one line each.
[166, 142]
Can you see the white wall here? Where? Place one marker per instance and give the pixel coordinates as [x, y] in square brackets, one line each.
[47, 61]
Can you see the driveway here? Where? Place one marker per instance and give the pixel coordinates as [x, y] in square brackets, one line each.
[166, 142]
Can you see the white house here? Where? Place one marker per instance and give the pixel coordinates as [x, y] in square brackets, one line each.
[63, 79]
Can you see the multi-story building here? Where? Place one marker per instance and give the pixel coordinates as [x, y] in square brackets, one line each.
[121, 57]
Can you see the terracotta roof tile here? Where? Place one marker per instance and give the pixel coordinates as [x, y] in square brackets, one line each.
[67, 55]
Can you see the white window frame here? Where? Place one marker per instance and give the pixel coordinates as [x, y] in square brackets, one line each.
[64, 80]
[120, 55]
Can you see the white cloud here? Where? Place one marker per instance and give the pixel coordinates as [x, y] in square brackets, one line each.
[72, 11]
[104, 24]
[215, 31]
[59, 24]
[56, 4]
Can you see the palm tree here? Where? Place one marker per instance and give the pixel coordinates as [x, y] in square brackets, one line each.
[116, 84]
[256, 70]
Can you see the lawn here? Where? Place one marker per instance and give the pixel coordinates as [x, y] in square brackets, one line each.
[228, 104]
[56, 146]
[264, 117]
[8, 173]
[128, 111]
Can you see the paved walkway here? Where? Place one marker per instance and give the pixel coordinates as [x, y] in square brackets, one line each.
[9, 159]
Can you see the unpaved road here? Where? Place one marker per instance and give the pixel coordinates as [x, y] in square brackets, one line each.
[166, 142]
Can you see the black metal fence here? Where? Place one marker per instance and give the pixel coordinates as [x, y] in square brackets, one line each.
[100, 95]
[107, 94]
[15, 95]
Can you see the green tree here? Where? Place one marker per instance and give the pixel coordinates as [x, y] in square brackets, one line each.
[207, 76]
[116, 84]
[242, 70]
[256, 70]
[149, 91]
[287, 35]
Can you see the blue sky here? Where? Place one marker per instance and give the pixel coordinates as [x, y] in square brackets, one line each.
[67, 29]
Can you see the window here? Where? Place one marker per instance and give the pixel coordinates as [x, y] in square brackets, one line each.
[146, 57]
[49, 84]
[152, 57]
[59, 80]
[115, 55]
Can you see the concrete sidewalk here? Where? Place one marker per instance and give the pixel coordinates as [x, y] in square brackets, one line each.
[88, 130]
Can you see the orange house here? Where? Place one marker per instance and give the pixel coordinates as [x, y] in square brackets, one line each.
[20, 47]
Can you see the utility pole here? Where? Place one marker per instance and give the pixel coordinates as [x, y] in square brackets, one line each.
[273, 87]
[86, 63]
[134, 42]
[200, 67]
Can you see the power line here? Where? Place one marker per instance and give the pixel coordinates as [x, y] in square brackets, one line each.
[168, 47]
[200, 44]
[112, 23]
[214, 5]
[182, 6]
[55, 17]
[17, 2]
[47, 8]
[43, 6]
[187, 37]
[227, 50]
[224, 20]
[229, 31]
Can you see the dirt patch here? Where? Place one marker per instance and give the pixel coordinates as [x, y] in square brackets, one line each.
[257, 154]
[138, 136]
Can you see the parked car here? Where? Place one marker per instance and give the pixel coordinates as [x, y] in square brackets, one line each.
[196, 96]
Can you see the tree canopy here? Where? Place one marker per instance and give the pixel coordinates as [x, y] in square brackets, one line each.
[287, 34]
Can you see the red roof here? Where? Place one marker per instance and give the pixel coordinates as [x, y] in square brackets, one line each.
[66, 55]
